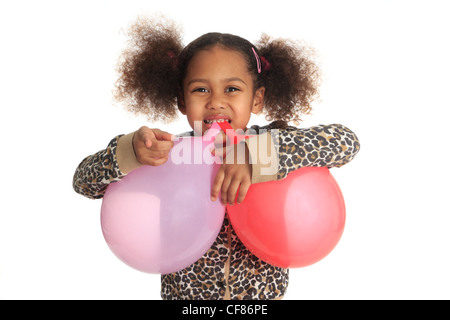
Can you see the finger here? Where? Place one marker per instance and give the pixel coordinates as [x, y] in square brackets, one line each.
[218, 180]
[224, 152]
[157, 161]
[157, 154]
[232, 191]
[218, 152]
[158, 145]
[146, 137]
[220, 140]
[163, 135]
[243, 189]
[224, 190]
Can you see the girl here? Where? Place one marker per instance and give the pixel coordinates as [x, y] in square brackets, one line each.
[219, 77]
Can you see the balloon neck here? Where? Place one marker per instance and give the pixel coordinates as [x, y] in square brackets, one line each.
[224, 126]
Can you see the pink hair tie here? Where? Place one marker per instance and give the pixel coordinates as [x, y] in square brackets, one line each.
[174, 59]
[261, 61]
[266, 64]
[258, 61]
[171, 54]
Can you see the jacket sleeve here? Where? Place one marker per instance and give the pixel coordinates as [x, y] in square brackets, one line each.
[321, 146]
[97, 171]
[288, 149]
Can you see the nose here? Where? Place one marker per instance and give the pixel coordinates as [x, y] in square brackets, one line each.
[216, 101]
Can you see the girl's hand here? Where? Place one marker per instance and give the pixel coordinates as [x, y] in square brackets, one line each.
[152, 146]
[235, 174]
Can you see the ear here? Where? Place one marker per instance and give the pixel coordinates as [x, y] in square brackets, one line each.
[181, 104]
[258, 100]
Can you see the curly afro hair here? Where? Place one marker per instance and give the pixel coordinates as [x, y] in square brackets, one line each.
[153, 66]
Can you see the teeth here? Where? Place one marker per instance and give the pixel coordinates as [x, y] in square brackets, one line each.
[216, 120]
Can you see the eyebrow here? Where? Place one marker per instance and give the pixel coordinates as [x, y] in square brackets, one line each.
[223, 80]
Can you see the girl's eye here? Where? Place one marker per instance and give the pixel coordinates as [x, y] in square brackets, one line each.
[200, 90]
[232, 89]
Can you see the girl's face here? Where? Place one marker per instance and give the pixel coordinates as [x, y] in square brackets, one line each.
[218, 87]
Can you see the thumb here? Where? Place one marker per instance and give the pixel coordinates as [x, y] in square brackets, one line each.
[147, 137]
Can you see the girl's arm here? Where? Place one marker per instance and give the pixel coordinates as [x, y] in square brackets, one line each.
[123, 154]
[279, 151]
[97, 171]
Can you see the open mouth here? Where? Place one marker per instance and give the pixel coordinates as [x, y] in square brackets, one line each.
[211, 121]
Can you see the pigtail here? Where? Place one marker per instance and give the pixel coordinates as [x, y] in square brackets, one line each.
[148, 69]
[290, 76]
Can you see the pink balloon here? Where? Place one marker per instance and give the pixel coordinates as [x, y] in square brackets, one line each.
[161, 219]
[293, 222]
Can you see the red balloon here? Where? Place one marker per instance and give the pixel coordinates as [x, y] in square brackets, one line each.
[294, 222]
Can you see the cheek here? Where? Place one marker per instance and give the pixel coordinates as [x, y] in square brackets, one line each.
[194, 117]
[241, 120]
[191, 111]
[192, 120]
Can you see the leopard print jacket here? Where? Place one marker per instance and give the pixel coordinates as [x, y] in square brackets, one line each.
[228, 270]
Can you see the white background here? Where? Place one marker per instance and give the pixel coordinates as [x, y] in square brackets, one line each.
[386, 76]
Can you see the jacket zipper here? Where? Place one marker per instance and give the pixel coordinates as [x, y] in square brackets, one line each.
[227, 263]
